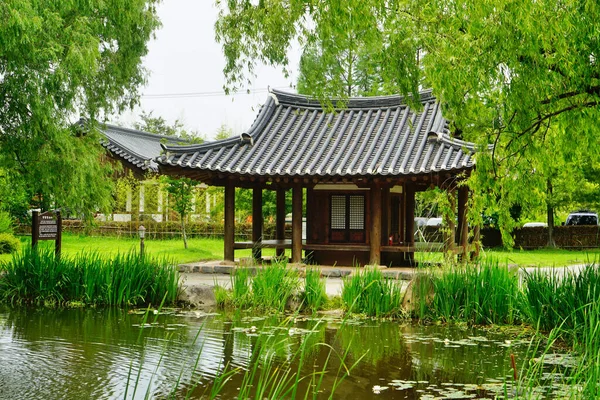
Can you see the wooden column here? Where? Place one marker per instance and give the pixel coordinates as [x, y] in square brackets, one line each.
[476, 240]
[463, 227]
[409, 235]
[280, 219]
[375, 228]
[257, 223]
[297, 224]
[450, 235]
[229, 221]
[385, 215]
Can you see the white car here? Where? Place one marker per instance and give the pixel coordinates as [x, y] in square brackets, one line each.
[535, 225]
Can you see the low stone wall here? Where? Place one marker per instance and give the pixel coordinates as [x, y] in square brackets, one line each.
[565, 237]
[162, 230]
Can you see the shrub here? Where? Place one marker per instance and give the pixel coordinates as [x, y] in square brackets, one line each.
[6, 222]
[9, 243]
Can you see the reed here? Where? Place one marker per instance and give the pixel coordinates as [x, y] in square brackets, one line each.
[484, 293]
[561, 297]
[39, 277]
[240, 285]
[273, 285]
[315, 294]
[368, 292]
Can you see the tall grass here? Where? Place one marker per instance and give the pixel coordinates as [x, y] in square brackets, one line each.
[39, 277]
[561, 297]
[269, 289]
[315, 294]
[477, 294]
[368, 292]
[240, 285]
[273, 285]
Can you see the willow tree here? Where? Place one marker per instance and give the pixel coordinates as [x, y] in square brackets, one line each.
[506, 72]
[60, 60]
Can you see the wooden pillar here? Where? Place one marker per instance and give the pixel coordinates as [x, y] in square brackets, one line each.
[476, 240]
[229, 221]
[409, 235]
[280, 219]
[463, 227]
[385, 216]
[450, 235]
[375, 228]
[257, 223]
[297, 224]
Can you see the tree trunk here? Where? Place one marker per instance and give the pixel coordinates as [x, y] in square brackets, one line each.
[183, 233]
[550, 212]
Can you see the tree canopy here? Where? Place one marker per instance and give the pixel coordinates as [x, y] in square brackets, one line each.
[150, 123]
[523, 76]
[59, 60]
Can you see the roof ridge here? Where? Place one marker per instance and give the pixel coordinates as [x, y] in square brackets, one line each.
[142, 133]
[255, 129]
[300, 100]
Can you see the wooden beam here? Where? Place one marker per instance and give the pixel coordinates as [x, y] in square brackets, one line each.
[229, 221]
[297, 224]
[257, 223]
[375, 228]
[280, 218]
[463, 227]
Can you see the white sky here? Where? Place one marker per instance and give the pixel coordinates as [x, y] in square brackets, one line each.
[185, 58]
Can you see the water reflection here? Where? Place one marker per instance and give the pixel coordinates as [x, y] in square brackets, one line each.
[94, 353]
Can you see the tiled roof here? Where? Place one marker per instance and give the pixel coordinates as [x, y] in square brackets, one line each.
[295, 136]
[136, 147]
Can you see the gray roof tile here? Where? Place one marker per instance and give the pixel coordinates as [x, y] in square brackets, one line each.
[138, 148]
[294, 135]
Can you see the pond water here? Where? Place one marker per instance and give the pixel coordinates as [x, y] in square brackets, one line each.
[101, 353]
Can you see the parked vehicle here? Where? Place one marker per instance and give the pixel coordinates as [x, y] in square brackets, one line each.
[535, 225]
[582, 217]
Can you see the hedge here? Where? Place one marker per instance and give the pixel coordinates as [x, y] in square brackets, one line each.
[163, 230]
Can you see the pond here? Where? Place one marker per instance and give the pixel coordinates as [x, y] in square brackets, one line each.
[102, 353]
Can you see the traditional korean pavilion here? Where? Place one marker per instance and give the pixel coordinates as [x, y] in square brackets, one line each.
[358, 167]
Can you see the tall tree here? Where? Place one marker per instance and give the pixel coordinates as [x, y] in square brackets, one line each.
[158, 125]
[181, 191]
[223, 132]
[59, 59]
[506, 72]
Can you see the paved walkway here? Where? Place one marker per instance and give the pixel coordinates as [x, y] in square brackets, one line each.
[211, 273]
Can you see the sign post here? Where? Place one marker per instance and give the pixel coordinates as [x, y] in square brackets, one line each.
[47, 226]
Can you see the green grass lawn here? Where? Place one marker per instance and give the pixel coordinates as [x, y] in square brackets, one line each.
[200, 249]
[527, 258]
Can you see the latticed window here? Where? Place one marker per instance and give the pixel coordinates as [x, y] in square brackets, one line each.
[347, 222]
[357, 212]
[338, 212]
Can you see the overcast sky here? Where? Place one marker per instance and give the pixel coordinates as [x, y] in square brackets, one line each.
[185, 59]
